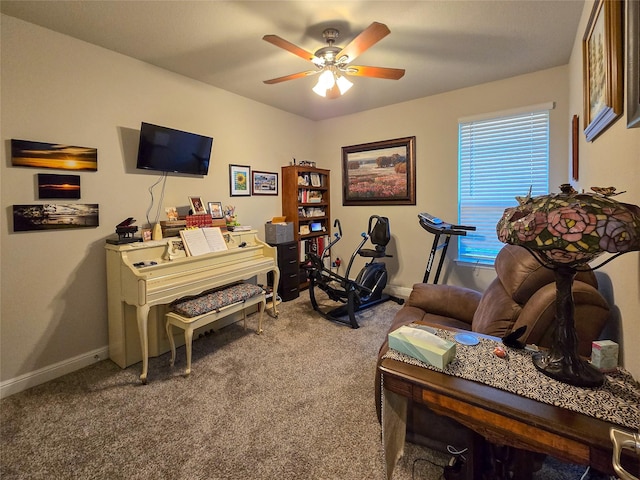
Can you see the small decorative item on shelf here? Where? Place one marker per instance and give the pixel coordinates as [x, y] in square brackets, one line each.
[565, 232]
[172, 213]
[230, 216]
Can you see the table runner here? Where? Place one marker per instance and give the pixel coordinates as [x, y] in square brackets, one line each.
[616, 401]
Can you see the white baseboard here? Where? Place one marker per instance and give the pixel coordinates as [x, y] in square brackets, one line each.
[31, 379]
[398, 291]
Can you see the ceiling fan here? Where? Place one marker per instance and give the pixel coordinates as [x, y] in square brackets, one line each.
[334, 62]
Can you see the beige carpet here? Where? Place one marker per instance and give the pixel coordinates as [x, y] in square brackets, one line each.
[293, 403]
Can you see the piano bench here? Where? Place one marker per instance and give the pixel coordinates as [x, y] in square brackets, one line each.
[192, 313]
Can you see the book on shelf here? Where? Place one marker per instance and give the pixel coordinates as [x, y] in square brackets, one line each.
[309, 196]
[198, 241]
[314, 245]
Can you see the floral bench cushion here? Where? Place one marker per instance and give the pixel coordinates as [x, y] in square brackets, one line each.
[214, 301]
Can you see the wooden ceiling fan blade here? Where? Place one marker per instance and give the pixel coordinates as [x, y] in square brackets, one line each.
[377, 72]
[293, 76]
[290, 47]
[370, 36]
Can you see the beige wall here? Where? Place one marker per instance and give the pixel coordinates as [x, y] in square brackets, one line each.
[612, 159]
[434, 123]
[58, 89]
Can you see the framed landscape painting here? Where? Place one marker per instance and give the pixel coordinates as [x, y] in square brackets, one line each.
[54, 216]
[51, 185]
[25, 153]
[264, 183]
[380, 173]
[603, 65]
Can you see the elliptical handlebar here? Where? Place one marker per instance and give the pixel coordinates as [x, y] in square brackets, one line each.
[365, 237]
[336, 223]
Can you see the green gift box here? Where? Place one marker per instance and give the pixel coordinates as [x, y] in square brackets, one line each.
[423, 345]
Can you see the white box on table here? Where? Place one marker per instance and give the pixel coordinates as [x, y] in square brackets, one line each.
[423, 345]
[604, 355]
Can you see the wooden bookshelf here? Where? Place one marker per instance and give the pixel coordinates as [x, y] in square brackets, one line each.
[306, 202]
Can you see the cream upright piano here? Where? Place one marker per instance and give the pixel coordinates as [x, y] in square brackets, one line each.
[143, 277]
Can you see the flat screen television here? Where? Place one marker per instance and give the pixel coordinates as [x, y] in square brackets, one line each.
[169, 150]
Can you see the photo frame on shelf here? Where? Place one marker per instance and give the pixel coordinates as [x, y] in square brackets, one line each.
[633, 64]
[215, 209]
[239, 180]
[379, 173]
[146, 234]
[315, 180]
[197, 206]
[603, 65]
[264, 183]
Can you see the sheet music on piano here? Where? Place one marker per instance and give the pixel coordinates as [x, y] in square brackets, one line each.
[199, 241]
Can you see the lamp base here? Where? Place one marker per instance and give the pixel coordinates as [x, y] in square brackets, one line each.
[576, 372]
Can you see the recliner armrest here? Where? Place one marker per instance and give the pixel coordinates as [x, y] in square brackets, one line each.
[446, 300]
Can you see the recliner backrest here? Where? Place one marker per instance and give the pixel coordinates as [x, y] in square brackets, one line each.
[522, 275]
[523, 293]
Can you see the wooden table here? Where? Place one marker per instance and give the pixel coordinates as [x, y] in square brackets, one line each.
[503, 418]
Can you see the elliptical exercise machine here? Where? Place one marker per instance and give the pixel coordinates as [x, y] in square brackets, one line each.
[363, 292]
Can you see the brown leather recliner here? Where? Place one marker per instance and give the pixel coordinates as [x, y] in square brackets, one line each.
[523, 293]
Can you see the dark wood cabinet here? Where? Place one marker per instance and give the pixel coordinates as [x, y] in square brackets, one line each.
[288, 289]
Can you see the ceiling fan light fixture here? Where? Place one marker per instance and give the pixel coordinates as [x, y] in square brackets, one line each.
[325, 82]
[344, 84]
[331, 84]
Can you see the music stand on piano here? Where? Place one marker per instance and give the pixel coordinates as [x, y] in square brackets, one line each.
[439, 228]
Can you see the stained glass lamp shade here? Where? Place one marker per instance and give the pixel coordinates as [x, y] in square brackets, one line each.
[565, 232]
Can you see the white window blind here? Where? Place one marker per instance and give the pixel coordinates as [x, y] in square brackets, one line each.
[499, 158]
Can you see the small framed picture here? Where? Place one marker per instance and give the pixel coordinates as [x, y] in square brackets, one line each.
[264, 183]
[315, 180]
[58, 186]
[239, 180]
[197, 207]
[215, 209]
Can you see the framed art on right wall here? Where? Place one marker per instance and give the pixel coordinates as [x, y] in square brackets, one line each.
[633, 64]
[603, 67]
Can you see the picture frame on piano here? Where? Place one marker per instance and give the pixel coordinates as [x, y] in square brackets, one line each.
[215, 208]
[197, 206]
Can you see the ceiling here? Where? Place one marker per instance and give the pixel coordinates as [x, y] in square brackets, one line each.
[443, 44]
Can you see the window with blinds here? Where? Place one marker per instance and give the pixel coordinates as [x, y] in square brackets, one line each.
[499, 158]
